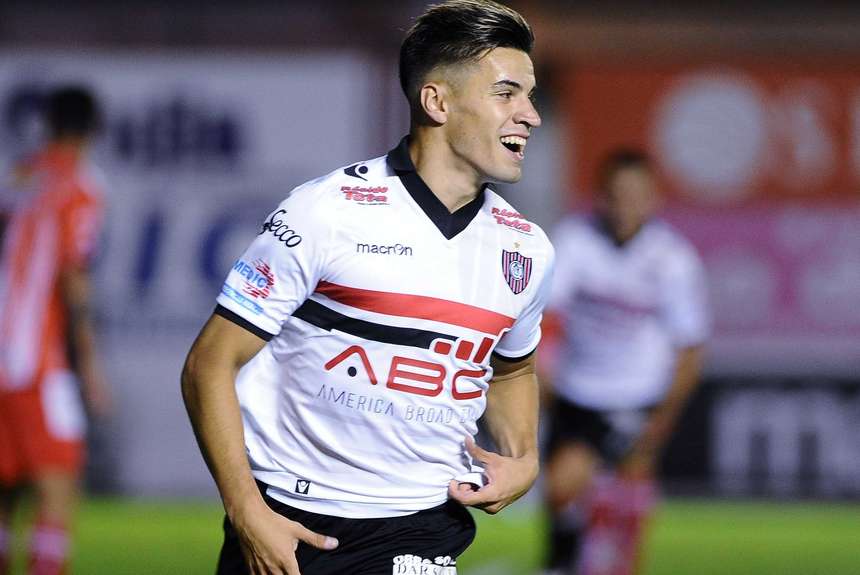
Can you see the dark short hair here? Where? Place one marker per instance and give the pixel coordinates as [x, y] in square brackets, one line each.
[72, 111]
[458, 31]
[620, 159]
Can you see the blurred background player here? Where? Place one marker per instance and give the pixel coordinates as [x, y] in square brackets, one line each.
[47, 346]
[629, 307]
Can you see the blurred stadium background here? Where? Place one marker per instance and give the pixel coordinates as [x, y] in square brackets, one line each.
[752, 110]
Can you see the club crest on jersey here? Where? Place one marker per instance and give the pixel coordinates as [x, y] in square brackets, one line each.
[517, 270]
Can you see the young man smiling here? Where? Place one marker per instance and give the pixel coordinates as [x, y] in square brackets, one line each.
[335, 390]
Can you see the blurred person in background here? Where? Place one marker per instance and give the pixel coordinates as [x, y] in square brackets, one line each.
[48, 363]
[381, 311]
[628, 307]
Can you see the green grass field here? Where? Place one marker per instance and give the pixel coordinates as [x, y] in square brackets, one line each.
[121, 537]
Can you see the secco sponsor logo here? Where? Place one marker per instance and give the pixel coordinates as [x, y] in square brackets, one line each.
[367, 196]
[415, 565]
[511, 219]
[385, 250]
[282, 231]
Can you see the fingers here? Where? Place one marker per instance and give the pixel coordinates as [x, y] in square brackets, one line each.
[466, 493]
[292, 566]
[316, 539]
[476, 451]
[272, 550]
[289, 565]
[486, 498]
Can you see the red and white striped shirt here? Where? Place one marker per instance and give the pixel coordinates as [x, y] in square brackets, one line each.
[53, 223]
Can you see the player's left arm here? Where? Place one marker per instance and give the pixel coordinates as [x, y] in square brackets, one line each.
[75, 288]
[665, 416]
[81, 222]
[511, 418]
[687, 321]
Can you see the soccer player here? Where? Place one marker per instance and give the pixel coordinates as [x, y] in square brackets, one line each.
[381, 311]
[630, 305]
[46, 335]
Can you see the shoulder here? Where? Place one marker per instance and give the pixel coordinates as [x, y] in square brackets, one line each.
[363, 177]
[678, 251]
[516, 225]
[90, 184]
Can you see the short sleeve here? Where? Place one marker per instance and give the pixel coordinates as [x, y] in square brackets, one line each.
[282, 266]
[523, 337]
[81, 220]
[686, 310]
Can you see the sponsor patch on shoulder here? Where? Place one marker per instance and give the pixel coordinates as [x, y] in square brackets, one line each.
[258, 276]
[513, 220]
[240, 299]
[366, 196]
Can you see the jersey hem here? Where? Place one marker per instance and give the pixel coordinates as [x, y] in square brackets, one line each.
[234, 317]
[351, 509]
[519, 358]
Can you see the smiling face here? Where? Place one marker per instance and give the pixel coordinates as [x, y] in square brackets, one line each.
[491, 114]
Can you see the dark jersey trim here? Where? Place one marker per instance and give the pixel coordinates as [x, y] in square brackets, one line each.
[449, 224]
[513, 359]
[242, 322]
[328, 319]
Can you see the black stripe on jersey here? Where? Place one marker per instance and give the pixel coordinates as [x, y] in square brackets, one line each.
[328, 319]
[242, 322]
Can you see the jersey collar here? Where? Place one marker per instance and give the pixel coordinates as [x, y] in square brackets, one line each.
[449, 224]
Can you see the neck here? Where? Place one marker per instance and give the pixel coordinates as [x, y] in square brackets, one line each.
[448, 177]
[619, 237]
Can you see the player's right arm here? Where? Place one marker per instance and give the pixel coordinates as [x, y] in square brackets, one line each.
[268, 540]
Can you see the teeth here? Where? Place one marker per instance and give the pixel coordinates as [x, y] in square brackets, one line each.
[516, 140]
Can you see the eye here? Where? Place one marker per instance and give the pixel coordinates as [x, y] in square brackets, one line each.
[506, 95]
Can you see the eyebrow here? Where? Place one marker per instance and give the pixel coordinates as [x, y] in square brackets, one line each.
[509, 83]
[512, 84]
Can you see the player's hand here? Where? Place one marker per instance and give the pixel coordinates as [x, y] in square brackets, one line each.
[506, 480]
[638, 464]
[269, 542]
[641, 461]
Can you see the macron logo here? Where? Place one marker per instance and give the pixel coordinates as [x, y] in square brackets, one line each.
[302, 486]
[389, 250]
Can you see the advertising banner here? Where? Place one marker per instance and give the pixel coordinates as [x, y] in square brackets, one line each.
[196, 150]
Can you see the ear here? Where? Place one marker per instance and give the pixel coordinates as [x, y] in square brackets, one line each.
[433, 99]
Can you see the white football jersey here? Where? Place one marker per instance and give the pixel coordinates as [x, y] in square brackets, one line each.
[625, 311]
[382, 310]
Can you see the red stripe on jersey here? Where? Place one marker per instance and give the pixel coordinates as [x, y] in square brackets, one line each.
[418, 307]
[483, 349]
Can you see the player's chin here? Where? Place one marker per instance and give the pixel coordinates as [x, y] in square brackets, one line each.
[509, 175]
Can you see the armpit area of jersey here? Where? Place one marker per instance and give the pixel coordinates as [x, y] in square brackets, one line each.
[242, 322]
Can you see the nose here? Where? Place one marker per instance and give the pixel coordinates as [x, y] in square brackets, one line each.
[528, 114]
